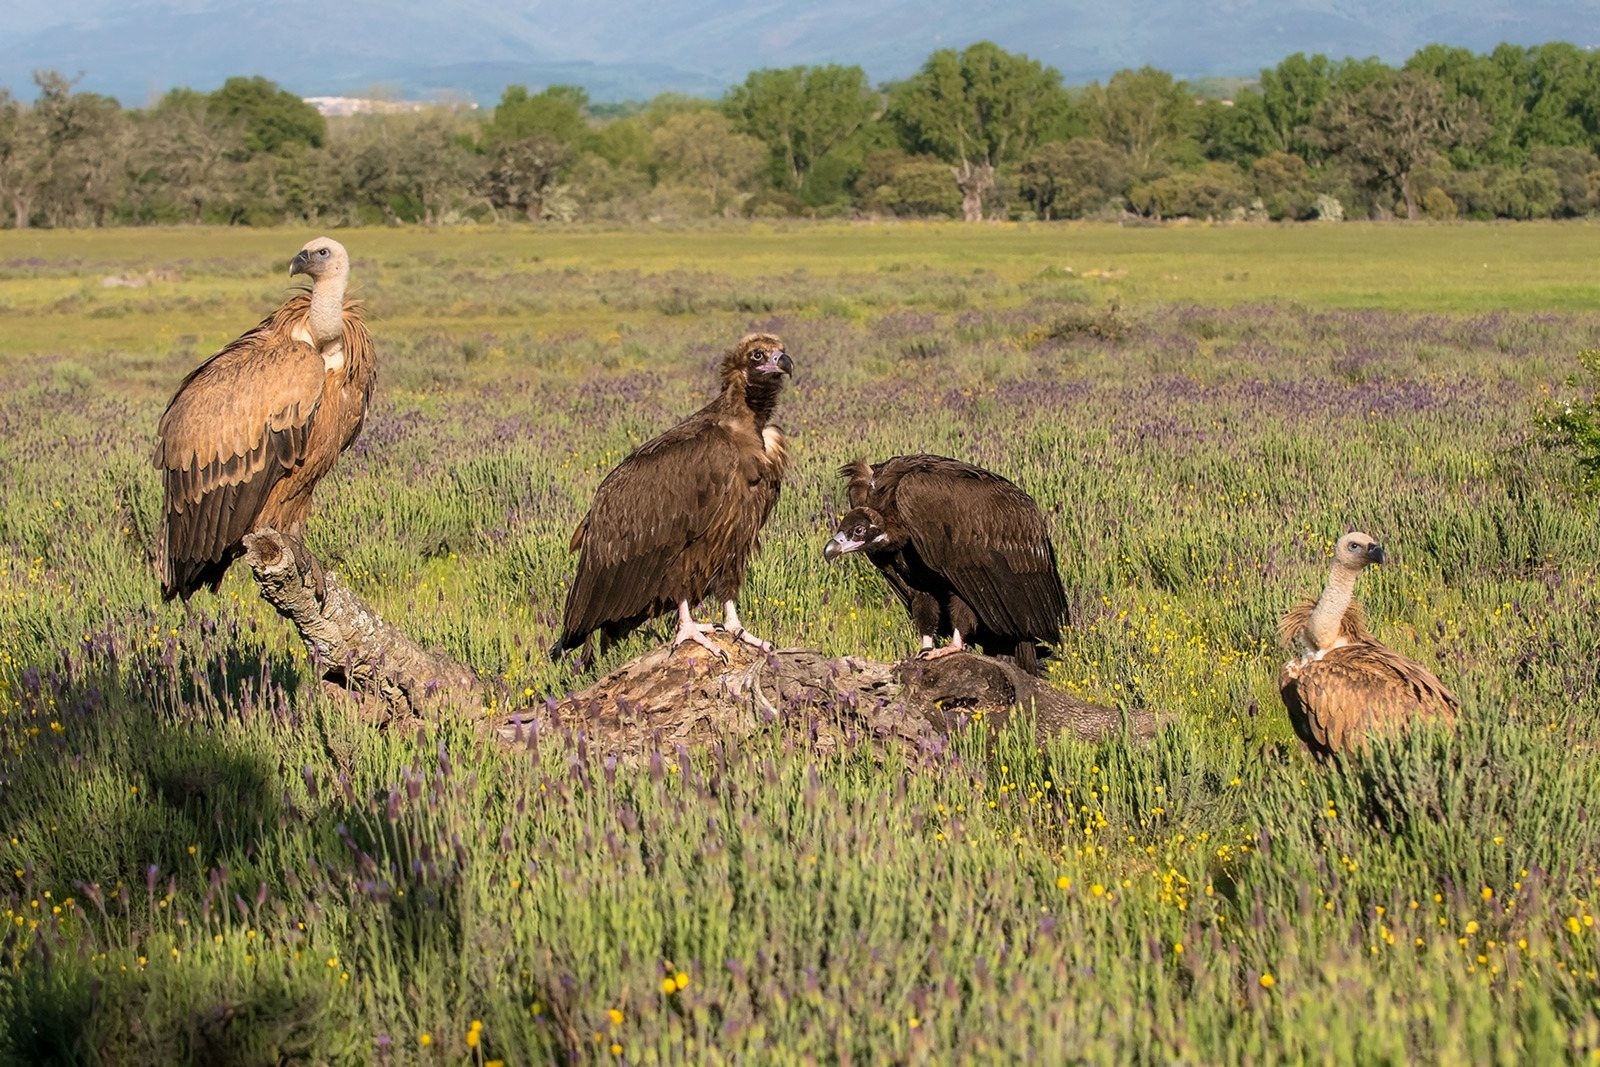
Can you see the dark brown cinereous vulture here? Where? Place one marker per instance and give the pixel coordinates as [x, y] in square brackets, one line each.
[680, 517]
[253, 429]
[1345, 688]
[964, 549]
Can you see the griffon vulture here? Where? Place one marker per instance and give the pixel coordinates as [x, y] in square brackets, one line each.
[964, 549]
[1345, 687]
[680, 517]
[253, 429]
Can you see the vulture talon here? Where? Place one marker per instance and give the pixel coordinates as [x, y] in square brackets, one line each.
[752, 640]
[689, 630]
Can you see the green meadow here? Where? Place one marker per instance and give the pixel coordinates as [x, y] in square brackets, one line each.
[209, 858]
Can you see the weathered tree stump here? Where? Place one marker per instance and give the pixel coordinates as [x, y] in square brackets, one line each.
[351, 644]
[683, 696]
[687, 696]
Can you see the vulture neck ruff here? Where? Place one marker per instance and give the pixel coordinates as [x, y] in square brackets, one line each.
[760, 394]
[1328, 616]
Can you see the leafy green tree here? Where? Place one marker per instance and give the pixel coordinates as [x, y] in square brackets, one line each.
[1143, 113]
[977, 109]
[188, 155]
[1577, 174]
[801, 113]
[1493, 84]
[269, 117]
[1393, 125]
[21, 155]
[919, 187]
[1283, 182]
[522, 175]
[1068, 180]
[556, 113]
[703, 150]
[1210, 192]
[1561, 108]
[86, 140]
[432, 164]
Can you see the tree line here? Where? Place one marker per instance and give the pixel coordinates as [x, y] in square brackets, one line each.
[975, 133]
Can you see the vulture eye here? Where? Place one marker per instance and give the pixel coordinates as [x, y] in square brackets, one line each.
[322, 252]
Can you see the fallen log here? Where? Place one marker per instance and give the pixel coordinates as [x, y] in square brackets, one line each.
[689, 696]
[352, 645]
[685, 696]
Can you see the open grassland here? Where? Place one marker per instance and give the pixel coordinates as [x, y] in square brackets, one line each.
[207, 859]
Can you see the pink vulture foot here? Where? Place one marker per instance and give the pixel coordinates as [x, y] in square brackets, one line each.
[689, 630]
[938, 653]
[751, 639]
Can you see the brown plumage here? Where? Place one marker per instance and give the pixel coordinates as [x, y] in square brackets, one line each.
[253, 429]
[965, 550]
[1345, 688]
[680, 517]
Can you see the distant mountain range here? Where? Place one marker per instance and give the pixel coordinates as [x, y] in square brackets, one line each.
[136, 49]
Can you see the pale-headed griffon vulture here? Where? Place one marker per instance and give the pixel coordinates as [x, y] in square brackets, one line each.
[965, 550]
[680, 517]
[252, 430]
[1344, 687]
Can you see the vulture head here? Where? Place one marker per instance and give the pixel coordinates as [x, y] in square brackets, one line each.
[760, 360]
[859, 528]
[321, 257]
[1357, 550]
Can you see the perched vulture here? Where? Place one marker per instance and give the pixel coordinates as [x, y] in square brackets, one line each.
[253, 429]
[1345, 687]
[965, 550]
[681, 516]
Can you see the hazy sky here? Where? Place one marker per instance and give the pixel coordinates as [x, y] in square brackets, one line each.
[134, 48]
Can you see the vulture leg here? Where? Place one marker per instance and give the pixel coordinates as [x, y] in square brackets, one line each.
[689, 630]
[955, 645]
[730, 617]
[309, 564]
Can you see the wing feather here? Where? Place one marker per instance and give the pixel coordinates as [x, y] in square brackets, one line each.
[1359, 691]
[647, 512]
[989, 539]
[237, 424]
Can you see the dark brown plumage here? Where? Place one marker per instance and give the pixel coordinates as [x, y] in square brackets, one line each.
[1345, 687]
[965, 550]
[252, 430]
[680, 517]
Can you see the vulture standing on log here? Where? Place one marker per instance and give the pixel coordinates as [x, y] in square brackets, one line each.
[1346, 687]
[681, 516]
[253, 429]
[964, 549]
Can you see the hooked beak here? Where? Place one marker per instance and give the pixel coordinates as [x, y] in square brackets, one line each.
[779, 361]
[300, 264]
[839, 546]
[1375, 553]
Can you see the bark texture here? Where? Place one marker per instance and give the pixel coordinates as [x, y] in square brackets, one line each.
[687, 696]
[351, 643]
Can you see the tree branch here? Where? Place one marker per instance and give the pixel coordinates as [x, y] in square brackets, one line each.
[351, 644]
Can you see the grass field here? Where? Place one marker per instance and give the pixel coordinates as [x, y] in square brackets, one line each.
[212, 861]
